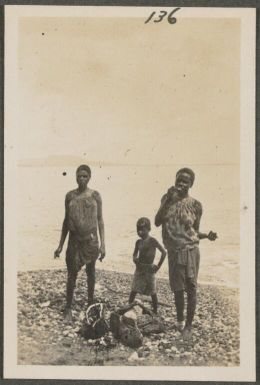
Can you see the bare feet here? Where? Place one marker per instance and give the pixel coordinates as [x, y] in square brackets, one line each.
[187, 333]
[68, 314]
[180, 326]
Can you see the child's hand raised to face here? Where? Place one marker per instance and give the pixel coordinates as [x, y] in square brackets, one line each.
[212, 236]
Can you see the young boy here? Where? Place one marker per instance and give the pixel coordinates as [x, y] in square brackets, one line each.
[144, 254]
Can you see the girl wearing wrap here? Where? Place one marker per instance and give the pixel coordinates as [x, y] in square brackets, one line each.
[179, 215]
[83, 220]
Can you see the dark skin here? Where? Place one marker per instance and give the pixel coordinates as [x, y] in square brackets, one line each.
[180, 191]
[143, 233]
[176, 193]
[83, 178]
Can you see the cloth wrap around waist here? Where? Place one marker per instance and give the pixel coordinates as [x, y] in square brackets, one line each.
[81, 250]
[144, 281]
[83, 245]
[183, 267]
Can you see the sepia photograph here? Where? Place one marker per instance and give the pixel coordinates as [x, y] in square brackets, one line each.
[129, 193]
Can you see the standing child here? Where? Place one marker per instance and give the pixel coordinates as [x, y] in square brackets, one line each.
[144, 254]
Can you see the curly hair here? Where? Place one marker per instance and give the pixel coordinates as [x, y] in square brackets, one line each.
[84, 167]
[186, 170]
[144, 222]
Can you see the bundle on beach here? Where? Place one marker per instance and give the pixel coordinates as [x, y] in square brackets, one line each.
[130, 327]
[94, 324]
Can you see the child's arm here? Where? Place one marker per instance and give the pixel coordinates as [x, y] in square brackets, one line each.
[163, 255]
[135, 254]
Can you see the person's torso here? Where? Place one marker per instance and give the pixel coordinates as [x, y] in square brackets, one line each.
[177, 230]
[82, 213]
[147, 250]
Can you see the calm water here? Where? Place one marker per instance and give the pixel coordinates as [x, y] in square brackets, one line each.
[129, 193]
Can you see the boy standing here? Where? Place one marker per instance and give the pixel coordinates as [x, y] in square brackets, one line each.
[144, 254]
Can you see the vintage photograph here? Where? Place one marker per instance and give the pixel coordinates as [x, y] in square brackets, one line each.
[129, 192]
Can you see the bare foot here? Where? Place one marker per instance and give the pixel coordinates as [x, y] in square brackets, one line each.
[68, 314]
[187, 333]
[180, 326]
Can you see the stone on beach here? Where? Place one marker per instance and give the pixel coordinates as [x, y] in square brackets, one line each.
[42, 328]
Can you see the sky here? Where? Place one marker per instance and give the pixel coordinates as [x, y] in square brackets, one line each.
[121, 91]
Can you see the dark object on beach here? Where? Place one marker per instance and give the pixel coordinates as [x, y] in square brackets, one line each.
[94, 325]
[130, 328]
[126, 330]
[150, 324]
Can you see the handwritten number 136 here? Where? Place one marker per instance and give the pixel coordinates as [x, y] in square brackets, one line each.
[171, 19]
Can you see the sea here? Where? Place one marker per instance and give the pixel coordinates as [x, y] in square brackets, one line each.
[128, 193]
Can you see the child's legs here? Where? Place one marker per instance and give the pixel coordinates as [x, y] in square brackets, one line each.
[155, 302]
[132, 296]
[91, 280]
[71, 283]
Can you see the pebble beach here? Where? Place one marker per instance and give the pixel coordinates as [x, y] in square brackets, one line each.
[44, 337]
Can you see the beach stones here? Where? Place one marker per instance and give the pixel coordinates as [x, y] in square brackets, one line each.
[174, 350]
[215, 331]
[134, 357]
[165, 344]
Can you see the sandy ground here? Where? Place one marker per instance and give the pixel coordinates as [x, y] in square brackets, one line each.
[44, 338]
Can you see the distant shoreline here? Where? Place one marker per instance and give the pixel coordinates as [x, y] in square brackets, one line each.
[76, 163]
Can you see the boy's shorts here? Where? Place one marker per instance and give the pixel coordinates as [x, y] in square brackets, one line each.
[144, 282]
[183, 268]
